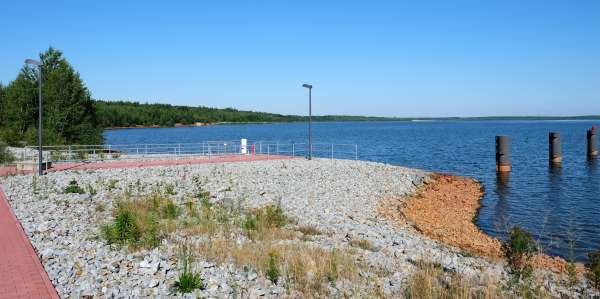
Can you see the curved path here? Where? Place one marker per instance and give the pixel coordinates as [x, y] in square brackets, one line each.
[21, 272]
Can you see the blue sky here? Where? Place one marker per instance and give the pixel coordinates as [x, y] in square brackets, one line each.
[388, 58]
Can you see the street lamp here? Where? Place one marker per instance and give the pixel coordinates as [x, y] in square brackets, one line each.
[39, 65]
[309, 119]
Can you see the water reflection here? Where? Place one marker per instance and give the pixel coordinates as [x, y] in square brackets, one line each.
[501, 209]
[551, 223]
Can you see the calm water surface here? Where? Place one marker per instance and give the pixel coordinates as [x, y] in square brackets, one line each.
[557, 205]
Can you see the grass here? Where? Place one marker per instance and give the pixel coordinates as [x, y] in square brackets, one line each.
[362, 244]
[430, 281]
[188, 279]
[73, 187]
[140, 223]
[309, 230]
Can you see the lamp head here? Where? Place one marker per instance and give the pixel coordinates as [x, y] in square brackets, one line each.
[33, 62]
[307, 86]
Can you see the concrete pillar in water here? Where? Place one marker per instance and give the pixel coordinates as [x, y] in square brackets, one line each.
[502, 153]
[592, 142]
[555, 149]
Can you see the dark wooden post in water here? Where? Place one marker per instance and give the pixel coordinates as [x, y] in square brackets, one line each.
[592, 143]
[502, 154]
[555, 149]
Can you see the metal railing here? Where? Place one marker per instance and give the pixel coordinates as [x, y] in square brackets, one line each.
[208, 149]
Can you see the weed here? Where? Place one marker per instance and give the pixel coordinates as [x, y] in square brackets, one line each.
[188, 280]
[170, 189]
[74, 188]
[571, 269]
[139, 223]
[169, 210]
[112, 184]
[272, 269]
[519, 247]
[250, 223]
[593, 268]
[91, 191]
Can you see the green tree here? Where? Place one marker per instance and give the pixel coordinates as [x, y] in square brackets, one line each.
[69, 112]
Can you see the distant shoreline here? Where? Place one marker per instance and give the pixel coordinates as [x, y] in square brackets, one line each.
[439, 119]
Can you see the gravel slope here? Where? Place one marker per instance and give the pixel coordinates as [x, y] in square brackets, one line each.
[335, 196]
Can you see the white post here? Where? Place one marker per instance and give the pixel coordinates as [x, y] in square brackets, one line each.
[332, 151]
[244, 146]
[356, 152]
[293, 150]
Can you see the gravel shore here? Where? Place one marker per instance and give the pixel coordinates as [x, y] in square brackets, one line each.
[337, 197]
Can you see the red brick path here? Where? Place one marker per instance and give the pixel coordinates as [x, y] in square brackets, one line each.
[21, 273]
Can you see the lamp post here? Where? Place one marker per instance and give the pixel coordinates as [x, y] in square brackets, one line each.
[39, 65]
[309, 119]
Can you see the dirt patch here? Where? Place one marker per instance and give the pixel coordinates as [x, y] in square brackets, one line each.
[444, 209]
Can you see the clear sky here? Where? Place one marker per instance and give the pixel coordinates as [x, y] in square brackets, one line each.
[387, 58]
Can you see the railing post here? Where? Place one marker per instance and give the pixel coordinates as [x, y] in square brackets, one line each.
[277, 148]
[293, 150]
[356, 152]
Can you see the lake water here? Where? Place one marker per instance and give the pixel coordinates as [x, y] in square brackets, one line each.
[556, 204]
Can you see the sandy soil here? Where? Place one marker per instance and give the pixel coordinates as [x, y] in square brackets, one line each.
[444, 209]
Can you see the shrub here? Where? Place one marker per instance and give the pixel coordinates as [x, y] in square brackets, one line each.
[593, 268]
[74, 188]
[5, 155]
[188, 279]
[519, 247]
[272, 269]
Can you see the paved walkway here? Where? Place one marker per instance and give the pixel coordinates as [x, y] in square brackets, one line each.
[21, 273]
